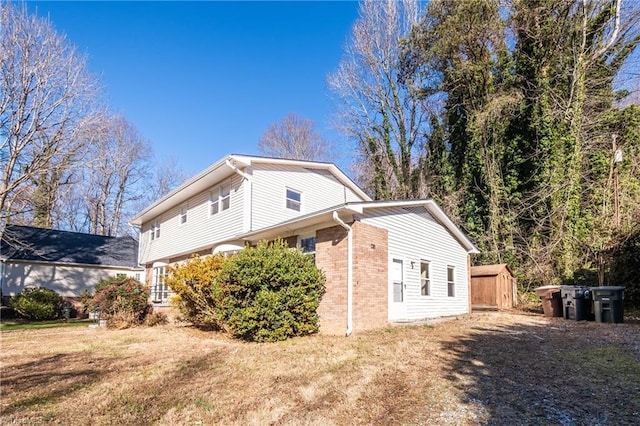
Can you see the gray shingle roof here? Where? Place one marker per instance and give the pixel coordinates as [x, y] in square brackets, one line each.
[27, 243]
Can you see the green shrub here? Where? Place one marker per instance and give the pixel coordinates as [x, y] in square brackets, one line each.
[37, 303]
[270, 293]
[197, 291]
[122, 301]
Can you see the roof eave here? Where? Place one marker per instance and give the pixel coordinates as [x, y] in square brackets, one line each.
[435, 211]
[309, 220]
[179, 194]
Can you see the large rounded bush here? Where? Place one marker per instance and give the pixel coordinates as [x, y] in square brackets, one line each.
[37, 303]
[270, 293]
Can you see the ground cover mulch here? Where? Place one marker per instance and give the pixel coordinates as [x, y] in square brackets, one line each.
[486, 368]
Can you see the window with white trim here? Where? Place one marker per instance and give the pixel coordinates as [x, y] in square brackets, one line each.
[159, 289]
[294, 199]
[451, 284]
[425, 280]
[225, 197]
[308, 245]
[155, 230]
[183, 215]
[220, 200]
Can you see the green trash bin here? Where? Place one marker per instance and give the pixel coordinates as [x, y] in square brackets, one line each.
[551, 301]
[607, 303]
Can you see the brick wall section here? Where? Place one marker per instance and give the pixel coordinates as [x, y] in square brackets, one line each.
[370, 277]
[331, 257]
[370, 272]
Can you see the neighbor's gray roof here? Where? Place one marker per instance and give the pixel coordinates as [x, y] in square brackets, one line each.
[27, 243]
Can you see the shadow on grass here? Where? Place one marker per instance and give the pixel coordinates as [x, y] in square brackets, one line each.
[48, 379]
[148, 401]
[562, 372]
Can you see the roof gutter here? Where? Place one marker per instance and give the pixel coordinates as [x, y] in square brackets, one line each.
[248, 201]
[349, 272]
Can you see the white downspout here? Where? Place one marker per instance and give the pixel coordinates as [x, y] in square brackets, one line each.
[237, 170]
[248, 201]
[349, 271]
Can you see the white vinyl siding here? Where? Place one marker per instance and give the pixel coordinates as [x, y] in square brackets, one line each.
[320, 190]
[203, 230]
[414, 235]
[250, 205]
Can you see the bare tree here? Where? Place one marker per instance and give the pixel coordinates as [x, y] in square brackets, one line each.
[296, 138]
[167, 175]
[378, 108]
[119, 178]
[115, 176]
[46, 98]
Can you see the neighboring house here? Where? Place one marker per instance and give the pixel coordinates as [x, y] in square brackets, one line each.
[493, 287]
[384, 261]
[67, 262]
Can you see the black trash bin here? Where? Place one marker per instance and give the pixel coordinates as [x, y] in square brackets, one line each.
[607, 303]
[576, 302]
[551, 302]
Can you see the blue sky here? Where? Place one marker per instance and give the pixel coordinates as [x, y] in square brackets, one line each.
[201, 80]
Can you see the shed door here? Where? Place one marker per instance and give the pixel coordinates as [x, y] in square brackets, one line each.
[397, 286]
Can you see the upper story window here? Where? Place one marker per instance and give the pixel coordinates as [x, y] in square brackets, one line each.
[183, 215]
[451, 284]
[220, 199]
[155, 230]
[294, 199]
[425, 281]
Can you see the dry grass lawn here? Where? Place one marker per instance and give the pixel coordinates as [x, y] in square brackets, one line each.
[487, 368]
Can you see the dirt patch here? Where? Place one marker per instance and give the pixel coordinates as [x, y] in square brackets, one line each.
[488, 368]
